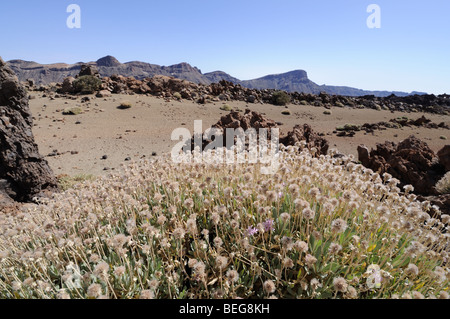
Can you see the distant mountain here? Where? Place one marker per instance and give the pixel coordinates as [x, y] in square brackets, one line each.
[107, 66]
[217, 76]
[298, 81]
[294, 81]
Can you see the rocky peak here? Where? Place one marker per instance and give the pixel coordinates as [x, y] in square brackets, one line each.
[108, 61]
[182, 67]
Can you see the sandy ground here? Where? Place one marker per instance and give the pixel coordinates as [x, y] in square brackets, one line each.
[103, 129]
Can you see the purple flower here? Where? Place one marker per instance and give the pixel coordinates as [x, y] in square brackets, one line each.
[251, 230]
[269, 225]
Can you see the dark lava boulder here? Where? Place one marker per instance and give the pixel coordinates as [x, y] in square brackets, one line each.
[25, 172]
[444, 157]
[411, 161]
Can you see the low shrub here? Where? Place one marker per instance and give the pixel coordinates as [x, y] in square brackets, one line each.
[66, 182]
[87, 84]
[72, 111]
[280, 98]
[125, 105]
[226, 107]
[177, 95]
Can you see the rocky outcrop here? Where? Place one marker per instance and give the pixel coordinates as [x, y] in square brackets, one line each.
[254, 120]
[235, 120]
[165, 86]
[108, 61]
[25, 172]
[411, 161]
[67, 85]
[249, 119]
[305, 133]
[88, 70]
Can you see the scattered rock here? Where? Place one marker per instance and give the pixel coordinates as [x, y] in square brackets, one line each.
[103, 94]
[346, 133]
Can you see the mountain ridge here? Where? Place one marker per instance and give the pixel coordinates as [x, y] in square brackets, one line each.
[292, 81]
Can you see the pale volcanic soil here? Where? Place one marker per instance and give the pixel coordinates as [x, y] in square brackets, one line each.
[103, 129]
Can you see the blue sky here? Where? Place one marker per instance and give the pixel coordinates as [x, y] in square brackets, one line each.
[247, 39]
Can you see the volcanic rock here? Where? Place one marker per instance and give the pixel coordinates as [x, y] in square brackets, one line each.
[411, 162]
[21, 166]
[250, 119]
[88, 70]
[103, 93]
[306, 134]
[444, 157]
[254, 120]
[67, 85]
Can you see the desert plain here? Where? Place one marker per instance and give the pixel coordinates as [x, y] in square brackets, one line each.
[102, 137]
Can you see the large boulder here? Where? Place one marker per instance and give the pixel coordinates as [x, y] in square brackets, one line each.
[103, 94]
[444, 157]
[67, 85]
[411, 161]
[22, 168]
[87, 69]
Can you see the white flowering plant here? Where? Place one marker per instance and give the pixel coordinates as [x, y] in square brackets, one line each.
[321, 227]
